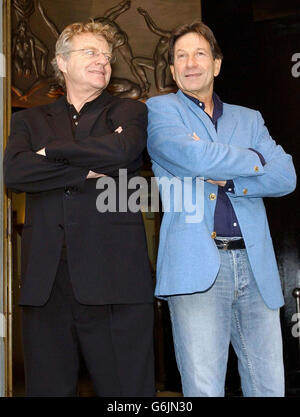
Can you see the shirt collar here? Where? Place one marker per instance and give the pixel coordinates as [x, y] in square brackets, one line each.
[218, 106]
[98, 100]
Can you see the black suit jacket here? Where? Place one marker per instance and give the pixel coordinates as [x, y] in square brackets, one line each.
[107, 253]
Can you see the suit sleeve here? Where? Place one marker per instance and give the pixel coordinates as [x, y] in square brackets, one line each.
[170, 145]
[25, 171]
[279, 173]
[107, 153]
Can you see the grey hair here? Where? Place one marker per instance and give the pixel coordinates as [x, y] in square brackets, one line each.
[64, 42]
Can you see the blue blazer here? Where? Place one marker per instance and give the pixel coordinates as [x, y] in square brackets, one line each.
[188, 259]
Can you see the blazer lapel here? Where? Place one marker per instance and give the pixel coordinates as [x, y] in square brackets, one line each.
[200, 114]
[227, 124]
[59, 121]
[90, 118]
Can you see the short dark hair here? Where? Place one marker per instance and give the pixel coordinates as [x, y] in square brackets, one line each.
[197, 27]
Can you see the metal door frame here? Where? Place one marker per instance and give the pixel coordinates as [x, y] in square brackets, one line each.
[5, 212]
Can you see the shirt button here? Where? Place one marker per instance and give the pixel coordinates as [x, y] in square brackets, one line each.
[229, 189]
[76, 123]
[212, 196]
[256, 168]
[213, 235]
[234, 224]
[74, 117]
[245, 190]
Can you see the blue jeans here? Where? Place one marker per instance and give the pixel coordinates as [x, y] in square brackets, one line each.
[232, 310]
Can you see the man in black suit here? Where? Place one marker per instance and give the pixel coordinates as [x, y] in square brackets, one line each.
[86, 283]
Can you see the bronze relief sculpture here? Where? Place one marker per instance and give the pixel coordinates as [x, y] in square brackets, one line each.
[32, 78]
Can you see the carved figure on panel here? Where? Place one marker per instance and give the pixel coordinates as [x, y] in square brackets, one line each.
[26, 44]
[118, 86]
[23, 8]
[124, 88]
[30, 55]
[158, 63]
[121, 43]
[54, 90]
[24, 52]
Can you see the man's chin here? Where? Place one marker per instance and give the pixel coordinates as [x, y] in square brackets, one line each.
[98, 86]
[192, 91]
[193, 88]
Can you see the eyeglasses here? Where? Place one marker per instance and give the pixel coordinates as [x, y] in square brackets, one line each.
[94, 53]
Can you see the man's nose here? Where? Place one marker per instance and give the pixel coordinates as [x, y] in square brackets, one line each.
[191, 61]
[100, 59]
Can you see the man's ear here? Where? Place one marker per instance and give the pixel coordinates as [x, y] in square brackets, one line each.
[172, 71]
[218, 63]
[61, 63]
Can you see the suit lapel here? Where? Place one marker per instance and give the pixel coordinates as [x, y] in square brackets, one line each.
[94, 113]
[87, 122]
[200, 115]
[227, 124]
[59, 120]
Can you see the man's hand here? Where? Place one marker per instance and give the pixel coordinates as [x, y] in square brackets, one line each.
[93, 174]
[220, 183]
[119, 129]
[41, 152]
[195, 137]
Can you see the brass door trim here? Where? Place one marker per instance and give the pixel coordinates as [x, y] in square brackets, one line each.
[7, 244]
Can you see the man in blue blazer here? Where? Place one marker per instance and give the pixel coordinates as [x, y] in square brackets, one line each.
[218, 272]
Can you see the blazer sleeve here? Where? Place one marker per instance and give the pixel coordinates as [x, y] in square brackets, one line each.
[107, 153]
[279, 173]
[25, 171]
[171, 145]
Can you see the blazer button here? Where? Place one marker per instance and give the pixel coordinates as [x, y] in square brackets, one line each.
[212, 196]
[256, 168]
[245, 190]
[213, 235]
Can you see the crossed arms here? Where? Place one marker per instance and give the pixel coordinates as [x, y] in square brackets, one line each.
[172, 145]
[70, 163]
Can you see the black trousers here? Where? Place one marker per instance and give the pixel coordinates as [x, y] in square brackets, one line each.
[116, 342]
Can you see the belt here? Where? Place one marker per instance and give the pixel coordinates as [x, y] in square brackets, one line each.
[230, 244]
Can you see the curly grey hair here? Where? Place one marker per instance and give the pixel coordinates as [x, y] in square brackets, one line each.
[64, 42]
